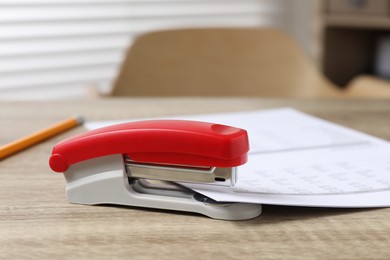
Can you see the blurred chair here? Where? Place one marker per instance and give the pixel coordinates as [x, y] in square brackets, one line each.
[220, 62]
[365, 86]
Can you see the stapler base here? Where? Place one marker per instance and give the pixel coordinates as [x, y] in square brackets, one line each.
[104, 181]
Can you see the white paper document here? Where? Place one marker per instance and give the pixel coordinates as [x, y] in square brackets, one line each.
[297, 159]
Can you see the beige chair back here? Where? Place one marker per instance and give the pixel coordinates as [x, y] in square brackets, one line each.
[219, 62]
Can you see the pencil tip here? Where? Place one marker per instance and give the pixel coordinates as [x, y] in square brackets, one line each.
[80, 119]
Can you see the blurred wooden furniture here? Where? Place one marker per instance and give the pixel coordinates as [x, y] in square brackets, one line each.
[366, 86]
[219, 62]
[37, 222]
[352, 32]
[226, 62]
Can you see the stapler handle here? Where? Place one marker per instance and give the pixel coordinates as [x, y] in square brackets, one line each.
[178, 142]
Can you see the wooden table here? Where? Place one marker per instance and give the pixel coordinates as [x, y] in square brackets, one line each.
[36, 221]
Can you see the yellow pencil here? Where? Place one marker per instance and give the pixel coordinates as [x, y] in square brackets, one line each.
[34, 138]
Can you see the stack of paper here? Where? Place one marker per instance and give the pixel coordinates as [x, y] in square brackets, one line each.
[297, 159]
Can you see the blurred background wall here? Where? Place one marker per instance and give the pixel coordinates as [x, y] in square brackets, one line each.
[68, 48]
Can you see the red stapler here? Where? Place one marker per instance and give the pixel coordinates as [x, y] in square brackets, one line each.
[139, 163]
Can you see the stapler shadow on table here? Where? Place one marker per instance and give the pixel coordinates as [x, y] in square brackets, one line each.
[139, 163]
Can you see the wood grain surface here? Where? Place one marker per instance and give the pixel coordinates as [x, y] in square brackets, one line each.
[36, 221]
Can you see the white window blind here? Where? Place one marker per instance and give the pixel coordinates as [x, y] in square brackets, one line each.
[57, 48]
